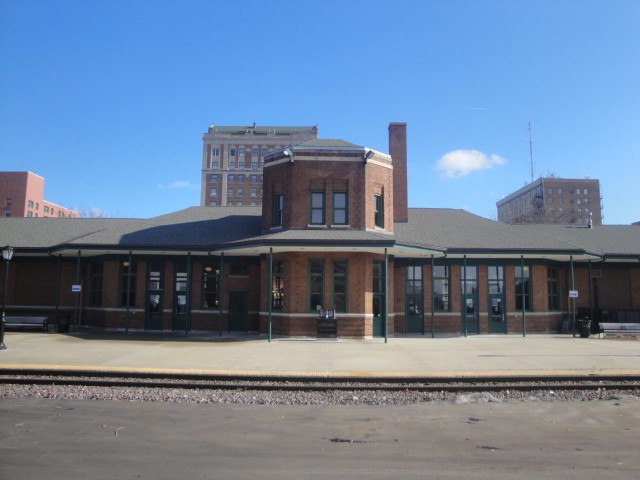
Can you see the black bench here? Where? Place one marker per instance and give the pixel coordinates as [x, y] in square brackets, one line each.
[619, 328]
[27, 322]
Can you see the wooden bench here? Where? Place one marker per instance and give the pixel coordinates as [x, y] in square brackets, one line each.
[27, 322]
[619, 328]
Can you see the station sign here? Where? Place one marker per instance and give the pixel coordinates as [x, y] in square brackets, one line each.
[573, 293]
[76, 288]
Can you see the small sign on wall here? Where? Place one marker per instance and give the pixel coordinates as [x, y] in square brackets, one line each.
[573, 293]
[76, 288]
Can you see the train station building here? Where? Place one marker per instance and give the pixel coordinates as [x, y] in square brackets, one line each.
[333, 251]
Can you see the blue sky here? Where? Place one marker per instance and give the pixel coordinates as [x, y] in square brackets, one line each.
[108, 100]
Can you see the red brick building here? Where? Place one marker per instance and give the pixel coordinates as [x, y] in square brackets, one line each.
[21, 195]
[334, 250]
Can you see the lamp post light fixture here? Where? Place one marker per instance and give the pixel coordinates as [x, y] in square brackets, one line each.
[7, 253]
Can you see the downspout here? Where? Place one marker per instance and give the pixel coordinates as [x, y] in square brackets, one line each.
[591, 306]
[270, 292]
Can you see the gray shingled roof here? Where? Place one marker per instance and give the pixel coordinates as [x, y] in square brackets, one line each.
[450, 230]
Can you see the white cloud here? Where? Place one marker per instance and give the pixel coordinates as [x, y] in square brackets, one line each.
[179, 184]
[459, 163]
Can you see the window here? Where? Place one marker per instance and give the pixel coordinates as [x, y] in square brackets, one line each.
[560, 201]
[552, 289]
[496, 279]
[240, 192]
[46, 209]
[213, 178]
[231, 192]
[7, 213]
[378, 277]
[254, 165]
[95, 298]
[254, 152]
[240, 178]
[585, 191]
[263, 152]
[215, 152]
[339, 208]
[469, 279]
[213, 192]
[340, 285]
[523, 288]
[241, 152]
[232, 152]
[559, 191]
[254, 192]
[378, 203]
[254, 179]
[37, 206]
[231, 179]
[180, 289]
[316, 284]
[239, 269]
[550, 191]
[277, 285]
[210, 286]
[213, 203]
[30, 203]
[232, 164]
[278, 208]
[29, 214]
[586, 201]
[230, 204]
[316, 208]
[215, 165]
[240, 164]
[441, 292]
[577, 191]
[413, 280]
[127, 284]
[9, 202]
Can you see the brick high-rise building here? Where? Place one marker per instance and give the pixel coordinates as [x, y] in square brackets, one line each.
[553, 200]
[21, 195]
[233, 158]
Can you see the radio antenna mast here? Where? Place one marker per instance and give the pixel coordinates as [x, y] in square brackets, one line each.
[530, 151]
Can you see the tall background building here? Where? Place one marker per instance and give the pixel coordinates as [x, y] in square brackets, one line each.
[554, 200]
[233, 158]
[21, 195]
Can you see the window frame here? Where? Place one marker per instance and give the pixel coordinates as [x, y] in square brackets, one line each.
[344, 209]
[316, 279]
[340, 277]
[316, 194]
[378, 209]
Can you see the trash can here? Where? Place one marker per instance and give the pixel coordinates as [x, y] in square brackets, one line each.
[63, 323]
[585, 328]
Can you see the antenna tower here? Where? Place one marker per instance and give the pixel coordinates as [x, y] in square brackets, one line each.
[530, 151]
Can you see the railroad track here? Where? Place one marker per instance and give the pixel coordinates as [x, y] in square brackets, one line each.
[315, 384]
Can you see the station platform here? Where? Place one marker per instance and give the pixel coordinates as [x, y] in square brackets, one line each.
[401, 356]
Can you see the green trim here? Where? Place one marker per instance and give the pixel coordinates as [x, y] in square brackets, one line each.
[314, 275]
[345, 209]
[335, 275]
[321, 196]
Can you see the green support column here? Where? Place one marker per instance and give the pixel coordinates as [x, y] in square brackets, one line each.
[464, 294]
[220, 294]
[524, 310]
[126, 318]
[433, 310]
[386, 296]
[187, 323]
[573, 300]
[270, 292]
[76, 300]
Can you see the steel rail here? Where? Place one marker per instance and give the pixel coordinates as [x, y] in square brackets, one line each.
[450, 384]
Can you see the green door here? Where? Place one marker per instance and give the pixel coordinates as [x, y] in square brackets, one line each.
[470, 322]
[378, 309]
[413, 314]
[153, 310]
[238, 307]
[496, 313]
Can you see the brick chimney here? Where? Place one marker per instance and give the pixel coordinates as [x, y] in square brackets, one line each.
[398, 152]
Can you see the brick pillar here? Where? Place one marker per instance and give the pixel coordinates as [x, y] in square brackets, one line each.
[398, 151]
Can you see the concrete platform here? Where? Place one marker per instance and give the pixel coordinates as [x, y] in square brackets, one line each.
[415, 356]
